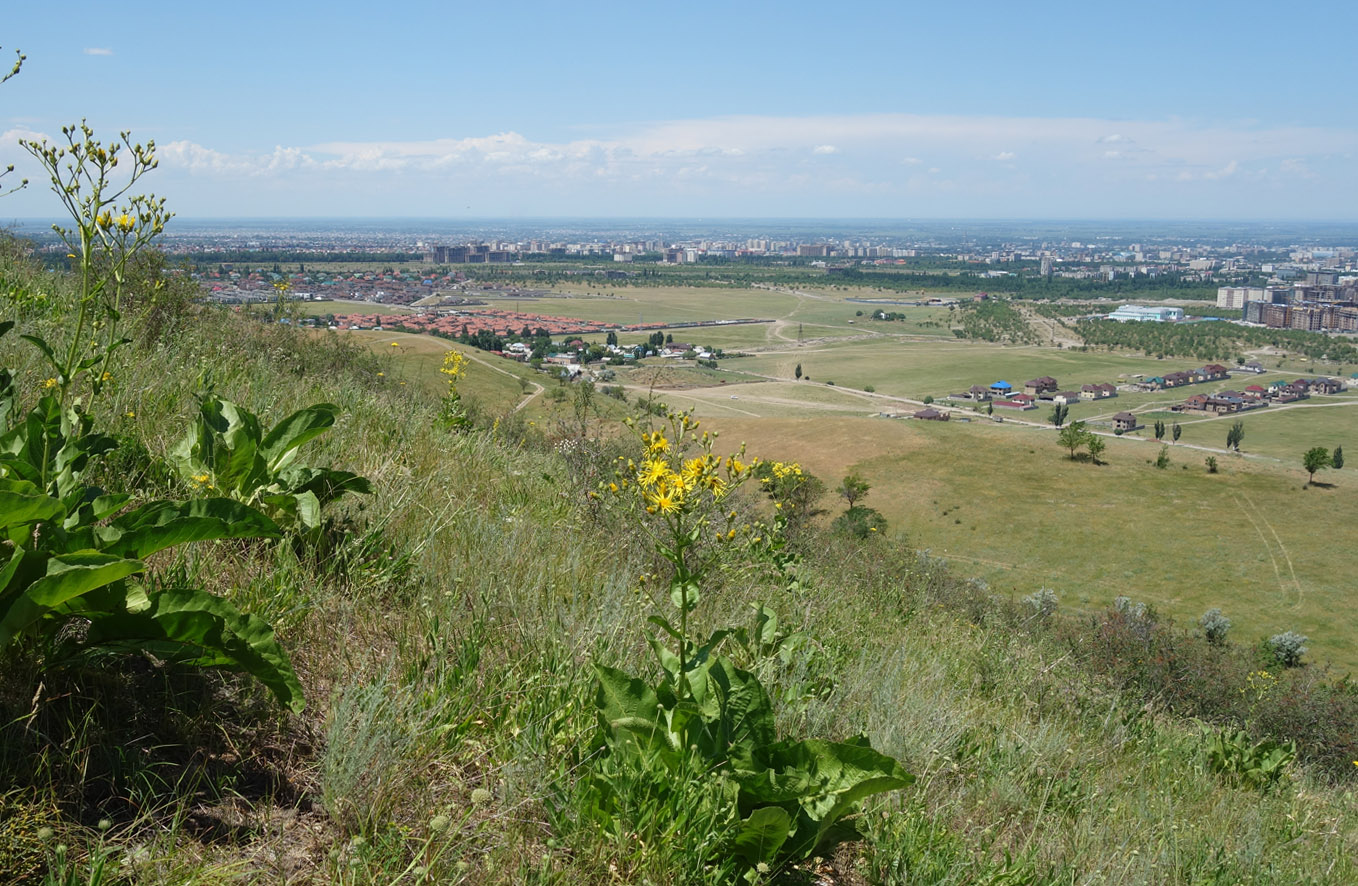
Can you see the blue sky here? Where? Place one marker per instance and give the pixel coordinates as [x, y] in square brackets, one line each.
[1046, 110]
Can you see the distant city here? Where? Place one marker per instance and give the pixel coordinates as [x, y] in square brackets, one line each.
[1283, 275]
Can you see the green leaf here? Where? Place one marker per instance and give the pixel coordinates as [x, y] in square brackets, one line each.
[762, 834]
[22, 504]
[684, 594]
[46, 349]
[628, 710]
[279, 447]
[68, 577]
[826, 780]
[193, 627]
[163, 524]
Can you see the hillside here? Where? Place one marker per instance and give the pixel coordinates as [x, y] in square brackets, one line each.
[443, 630]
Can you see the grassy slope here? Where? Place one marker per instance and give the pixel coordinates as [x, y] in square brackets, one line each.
[450, 696]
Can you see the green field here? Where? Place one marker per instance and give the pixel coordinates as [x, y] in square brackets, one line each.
[1006, 505]
[999, 499]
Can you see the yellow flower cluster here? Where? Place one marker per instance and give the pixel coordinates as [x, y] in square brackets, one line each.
[669, 483]
[1259, 684]
[454, 366]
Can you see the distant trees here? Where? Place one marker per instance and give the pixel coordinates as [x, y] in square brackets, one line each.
[1159, 429]
[1235, 436]
[1059, 413]
[1314, 459]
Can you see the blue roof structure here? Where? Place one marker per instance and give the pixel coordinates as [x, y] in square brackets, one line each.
[1002, 385]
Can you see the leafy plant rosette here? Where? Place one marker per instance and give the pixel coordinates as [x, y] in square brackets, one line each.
[793, 798]
[227, 451]
[72, 559]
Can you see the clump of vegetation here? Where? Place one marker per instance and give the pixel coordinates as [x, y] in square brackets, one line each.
[1287, 648]
[1215, 626]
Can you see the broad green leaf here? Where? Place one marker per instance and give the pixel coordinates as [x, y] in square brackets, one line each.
[21, 504]
[762, 834]
[745, 725]
[279, 447]
[827, 780]
[68, 576]
[163, 524]
[628, 707]
[191, 626]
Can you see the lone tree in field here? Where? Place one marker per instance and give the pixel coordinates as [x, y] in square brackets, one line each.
[1235, 435]
[1314, 459]
[1073, 436]
[1175, 431]
[1337, 460]
[798, 372]
[1059, 413]
[853, 489]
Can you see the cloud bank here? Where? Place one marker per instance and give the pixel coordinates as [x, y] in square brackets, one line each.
[878, 164]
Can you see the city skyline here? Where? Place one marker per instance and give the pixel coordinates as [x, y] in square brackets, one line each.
[787, 112]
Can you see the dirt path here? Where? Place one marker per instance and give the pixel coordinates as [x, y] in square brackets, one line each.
[528, 398]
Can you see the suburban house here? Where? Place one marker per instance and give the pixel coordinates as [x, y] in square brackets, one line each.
[1197, 401]
[1252, 366]
[1036, 386]
[1256, 392]
[1029, 399]
[1225, 403]
[979, 393]
[1065, 398]
[1125, 421]
[1015, 404]
[1215, 372]
[1001, 389]
[1326, 386]
[931, 414]
[1098, 392]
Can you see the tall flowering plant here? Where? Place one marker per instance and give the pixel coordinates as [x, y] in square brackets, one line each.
[788, 799]
[682, 485]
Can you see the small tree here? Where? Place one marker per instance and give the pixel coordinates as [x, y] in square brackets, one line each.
[797, 373]
[1211, 464]
[1096, 445]
[1175, 431]
[1073, 436]
[1059, 413]
[1337, 459]
[1159, 430]
[853, 489]
[1235, 436]
[1314, 459]
[1162, 460]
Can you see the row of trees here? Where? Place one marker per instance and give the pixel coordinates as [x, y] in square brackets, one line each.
[1211, 340]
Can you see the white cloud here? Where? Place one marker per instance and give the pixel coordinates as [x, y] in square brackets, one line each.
[93, 50]
[752, 159]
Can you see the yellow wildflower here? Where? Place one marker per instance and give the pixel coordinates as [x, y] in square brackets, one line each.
[49, 383]
[652, 471]
[125, 222]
